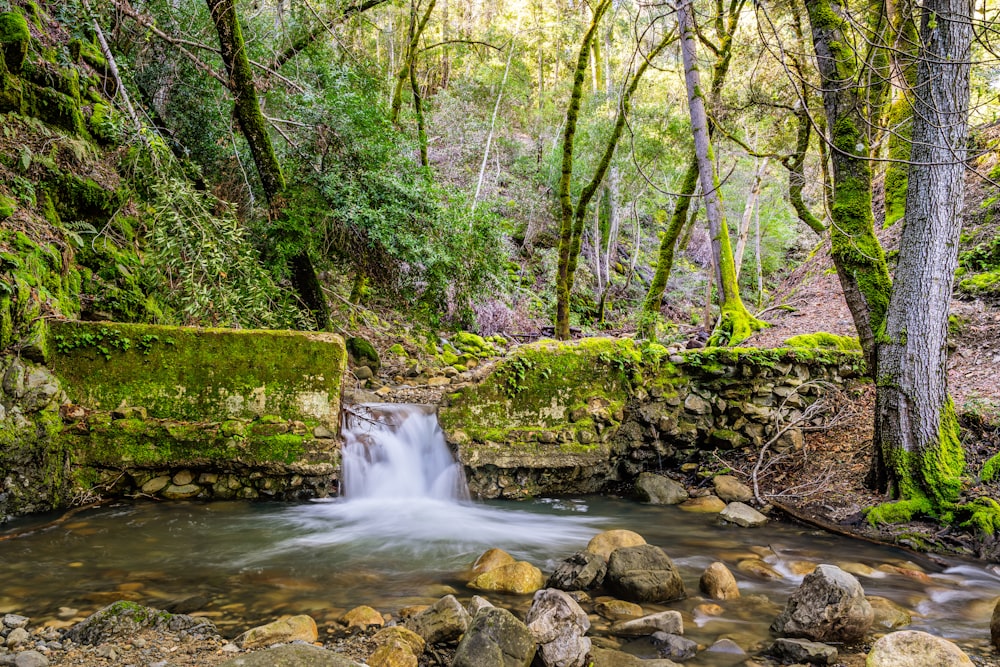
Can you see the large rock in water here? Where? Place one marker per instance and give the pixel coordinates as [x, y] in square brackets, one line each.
[292, 655]
[911, 648]
[731, 489]
[644, 574]
[743, 515]
[606, 542]
[830, 605]
[443, 621]
[582, 571]
[559, 626]
[659, 489]
[521, 578]
[718, 583]
[124, 619]
[495, 639]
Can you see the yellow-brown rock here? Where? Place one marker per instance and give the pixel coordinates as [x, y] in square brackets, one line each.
[294, 628]
[521, 577]
[718, 583]
[491, 559]
[618, 610]
[362, 617]
[606, 542]
[398, 633]
[396, 654]
[758, 568]
[703, 505]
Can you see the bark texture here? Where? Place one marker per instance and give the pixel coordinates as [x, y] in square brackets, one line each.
[736, 323]
[916, 429]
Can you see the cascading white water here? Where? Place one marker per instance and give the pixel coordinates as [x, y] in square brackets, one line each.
[398, 451]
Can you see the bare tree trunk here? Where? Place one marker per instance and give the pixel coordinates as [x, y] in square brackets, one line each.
[916, 430]
[748, 209]
[736, 323]
[493, 121]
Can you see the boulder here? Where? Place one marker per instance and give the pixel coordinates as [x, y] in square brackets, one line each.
[703, 505]
[618, 610]
[911, 648]
[659, 489]
[295, 628]
[888, 614]
[396, 647]
[582, 571]
[664, 621]
[521, 578]
[362, 353]
[718, 583]
[30, 659]
[559, 626]
[490, 560]
[606, 542]
[803, 651]
[443, 621]
[124, 619]
[643, 574]
[673, 646]
[291, 655]
[362, 618]
[495, 639]
[731, 489]
[829, 606]
[742, 515]
[477, 603]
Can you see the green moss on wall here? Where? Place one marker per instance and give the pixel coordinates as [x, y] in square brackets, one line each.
[824, 340]
[14, 39]
[189, 374]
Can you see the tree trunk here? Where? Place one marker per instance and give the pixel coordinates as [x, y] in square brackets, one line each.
[916, 430]
[856, 251]
[726, 25]
[899, 123]
[415, 30]
[736, 323]
[246, 109]
[748, 210]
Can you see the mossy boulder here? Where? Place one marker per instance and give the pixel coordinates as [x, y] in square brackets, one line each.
[363, 353]
[14, 39]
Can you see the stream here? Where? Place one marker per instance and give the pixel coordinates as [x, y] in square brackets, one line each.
[398, 542]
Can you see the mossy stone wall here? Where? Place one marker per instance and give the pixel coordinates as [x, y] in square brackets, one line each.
[193, 374]
[582, 417]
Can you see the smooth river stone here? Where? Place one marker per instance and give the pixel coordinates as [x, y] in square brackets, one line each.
[296, 628]
[718, 583]
[521, 578]
[617, 610]
[758, 568]
[606, 542]
[703, 505]
[362, 617]
[490, 560]
[888, 614]
[911, 648]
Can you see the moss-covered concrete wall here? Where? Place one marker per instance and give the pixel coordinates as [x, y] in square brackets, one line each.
[580, 417]
[193, 374]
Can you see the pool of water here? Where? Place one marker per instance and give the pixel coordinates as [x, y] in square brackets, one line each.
[244, 563]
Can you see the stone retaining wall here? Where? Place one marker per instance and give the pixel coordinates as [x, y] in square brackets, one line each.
[560, 418]
[127, 409]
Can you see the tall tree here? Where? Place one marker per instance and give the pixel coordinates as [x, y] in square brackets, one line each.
[916, 430]
[246, 109]
[726, 21]
[735, 322]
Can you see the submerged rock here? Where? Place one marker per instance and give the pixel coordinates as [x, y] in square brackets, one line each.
[607, 658]
[659, 489]
[743, 515]
[670, 622]
[703, 505]
[644, 574]
[912, 648]
[830, 605]
[559, 626]
[495, 639]
[674, 646]
[582, 571]
[718, 583]
[803, 651]
[888, 614]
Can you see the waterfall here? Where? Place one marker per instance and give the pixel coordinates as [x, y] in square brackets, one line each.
[396, 451]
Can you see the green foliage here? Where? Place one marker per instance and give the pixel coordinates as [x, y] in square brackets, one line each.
[210, 268]
[991, 469]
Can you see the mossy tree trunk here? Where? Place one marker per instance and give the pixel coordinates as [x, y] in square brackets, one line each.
[725, 23]
[736, 323]
[246, 109]
[415, 30]
[573, 218]
[916, 430]
[857, 253]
